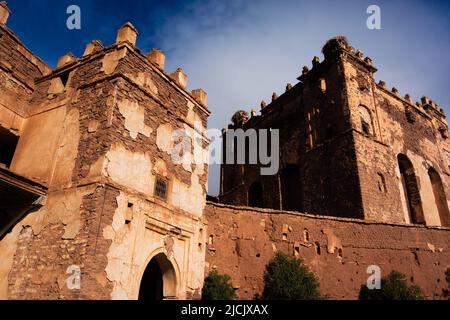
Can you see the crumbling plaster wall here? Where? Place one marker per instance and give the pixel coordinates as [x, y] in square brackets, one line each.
[392, 132]
[315, 135]
[338, 250]
[144, 124]
[154, 228]
[18, 69]
[94, 141]
[37, 253]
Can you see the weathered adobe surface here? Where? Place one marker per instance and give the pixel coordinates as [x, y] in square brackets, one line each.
[93, 135]
[398, 126]
[243, 240]
[18, 69]
[48, 245]
[316, 139]
[342, 170]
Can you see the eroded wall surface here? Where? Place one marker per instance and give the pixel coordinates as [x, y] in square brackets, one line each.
[341, 136]
[338, 250]
[395, 125]
[98, 131]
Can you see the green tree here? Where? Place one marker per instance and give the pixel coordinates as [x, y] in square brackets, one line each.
[218, 287]
[393, 287]
[289, 279]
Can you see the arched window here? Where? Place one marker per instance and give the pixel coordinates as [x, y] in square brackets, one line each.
[255, 195]
[439, 196]
[366, 120]
[410, 191]
[290, 188]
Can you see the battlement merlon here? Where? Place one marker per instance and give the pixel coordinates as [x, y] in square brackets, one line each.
[112, 55]
[4, 12]
[334, 49]
[338, 48]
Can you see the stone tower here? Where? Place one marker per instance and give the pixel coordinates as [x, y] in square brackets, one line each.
[104, 211]
[349, 147]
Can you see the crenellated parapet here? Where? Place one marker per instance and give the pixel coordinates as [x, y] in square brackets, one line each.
[337, 123]
[111, 57]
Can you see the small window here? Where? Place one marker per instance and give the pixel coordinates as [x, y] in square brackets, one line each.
[366, 120]
[317, 245]
[161, 188]
[129, 213]
[255, 195]
[410, 115]
[296, 249]
[305, 235]
[381, 183]
[329, 134]
[365, 127]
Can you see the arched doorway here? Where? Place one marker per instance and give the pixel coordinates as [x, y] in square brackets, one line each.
[410, 190]
[159, 280]
[439, 196]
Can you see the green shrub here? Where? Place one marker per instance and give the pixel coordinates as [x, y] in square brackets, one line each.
[393, 287]
[218, 287]
[446, 291]
[447, 276]
[288, 279]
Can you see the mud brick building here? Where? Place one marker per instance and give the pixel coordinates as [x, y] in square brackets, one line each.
[89, 190]
[349, 147]
[87, 178]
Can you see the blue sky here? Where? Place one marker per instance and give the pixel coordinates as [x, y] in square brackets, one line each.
[241, 51]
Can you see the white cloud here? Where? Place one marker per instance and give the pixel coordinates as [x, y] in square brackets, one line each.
[242, 51]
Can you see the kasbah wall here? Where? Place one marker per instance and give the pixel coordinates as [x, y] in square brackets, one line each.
[90, 183]
[242, 240]
[96, 134]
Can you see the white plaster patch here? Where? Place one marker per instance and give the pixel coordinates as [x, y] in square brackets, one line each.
[160, 168]
[133, 245]
[56, 86]
[173, 141]
[333, 242]
[67, 152]
[119, 251]
[62, 207]
[192, 118]
[144, 80]
[189, 198]
[134, 115]
[130, 169]
[111, 60]
[164, 139]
